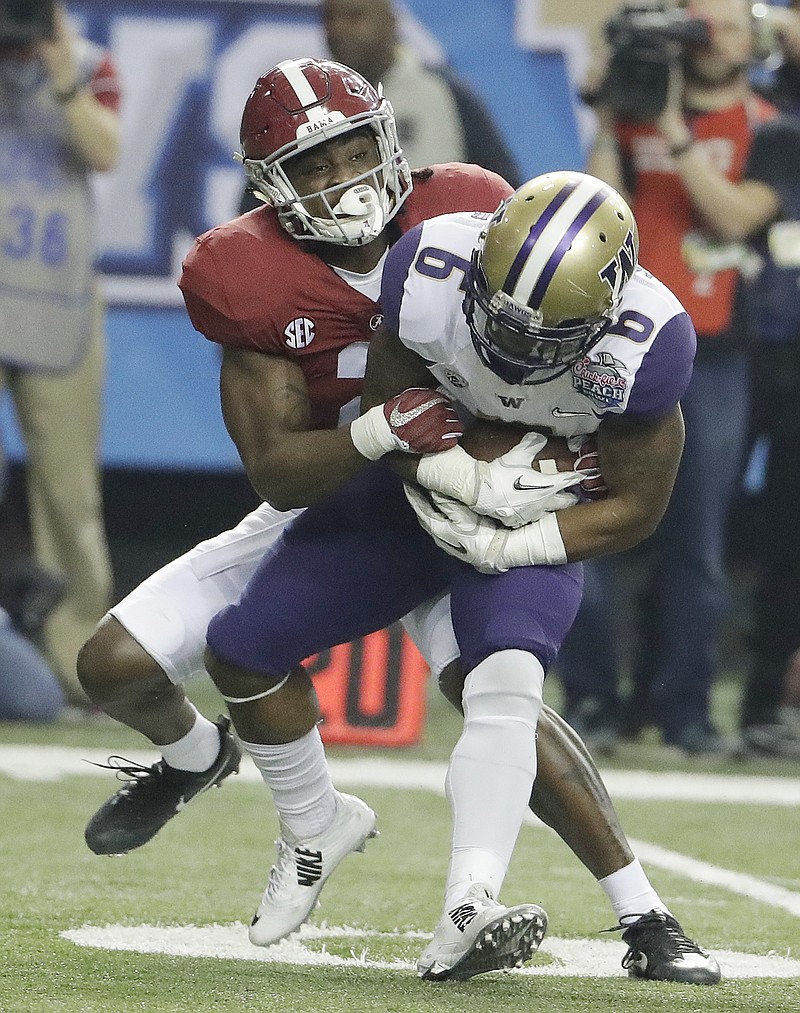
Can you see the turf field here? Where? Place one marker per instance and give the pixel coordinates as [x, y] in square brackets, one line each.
[163, 929]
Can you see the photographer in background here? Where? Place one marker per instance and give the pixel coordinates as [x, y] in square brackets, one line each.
[58, 124]
[770, 710]
[692, 165]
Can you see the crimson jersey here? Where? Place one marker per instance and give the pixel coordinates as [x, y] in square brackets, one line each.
[250, 285]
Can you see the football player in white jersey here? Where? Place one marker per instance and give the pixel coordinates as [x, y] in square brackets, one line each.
[536, 314]
[577, 339]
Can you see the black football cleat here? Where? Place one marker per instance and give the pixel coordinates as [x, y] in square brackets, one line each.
[659, 950]
[153, 795]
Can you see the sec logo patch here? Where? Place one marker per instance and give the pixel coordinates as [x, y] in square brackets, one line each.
[300, 333]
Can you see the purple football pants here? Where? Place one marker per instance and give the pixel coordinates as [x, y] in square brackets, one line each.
[358, 561]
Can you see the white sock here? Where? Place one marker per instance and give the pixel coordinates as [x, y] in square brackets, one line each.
[198, 748]
[631, 892]
[297, 775]
[492, 769]
[473, 865]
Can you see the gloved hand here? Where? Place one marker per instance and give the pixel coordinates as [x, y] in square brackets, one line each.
[508, 488]
[484, 543]
[417, 421]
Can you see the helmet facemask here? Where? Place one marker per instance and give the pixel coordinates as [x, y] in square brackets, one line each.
[513, 342]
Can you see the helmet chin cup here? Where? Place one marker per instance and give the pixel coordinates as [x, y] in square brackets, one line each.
[514, 372]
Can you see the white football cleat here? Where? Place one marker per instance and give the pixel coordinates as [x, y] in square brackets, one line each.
[479, 935]
[302, 867]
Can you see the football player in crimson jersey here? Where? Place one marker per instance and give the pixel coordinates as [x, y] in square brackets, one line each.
[291, 291]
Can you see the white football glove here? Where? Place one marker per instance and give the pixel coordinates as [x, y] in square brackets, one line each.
[484, 543]
[508, 488]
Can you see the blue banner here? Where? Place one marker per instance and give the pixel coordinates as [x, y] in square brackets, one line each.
[185, 70]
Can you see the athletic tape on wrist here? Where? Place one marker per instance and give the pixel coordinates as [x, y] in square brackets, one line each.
[552, 543]
[371, 434]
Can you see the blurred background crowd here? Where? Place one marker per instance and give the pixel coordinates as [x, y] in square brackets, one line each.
[117, 122]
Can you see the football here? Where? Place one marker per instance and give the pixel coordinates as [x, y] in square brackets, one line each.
[486, 441]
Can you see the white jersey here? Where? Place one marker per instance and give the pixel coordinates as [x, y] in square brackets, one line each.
[169, 612]
[641, 366]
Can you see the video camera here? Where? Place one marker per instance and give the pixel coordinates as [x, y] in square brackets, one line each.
[23, 22]
[646, 39]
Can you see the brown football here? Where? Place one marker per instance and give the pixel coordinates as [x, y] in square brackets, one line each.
[486, 441]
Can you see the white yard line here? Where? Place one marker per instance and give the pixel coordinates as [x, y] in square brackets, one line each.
[715, 875]
[596, 958]
[51, 763]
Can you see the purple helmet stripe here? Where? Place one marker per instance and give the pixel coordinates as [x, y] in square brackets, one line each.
[564, 244]
[533, 235]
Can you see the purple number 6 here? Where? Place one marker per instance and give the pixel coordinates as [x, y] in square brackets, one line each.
[440, 264]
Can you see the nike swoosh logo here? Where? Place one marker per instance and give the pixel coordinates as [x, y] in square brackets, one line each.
[520, 486]
[559, 414]
[457, 547]
[398, 418]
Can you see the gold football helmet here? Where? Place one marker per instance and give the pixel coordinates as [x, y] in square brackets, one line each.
[548, 274]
